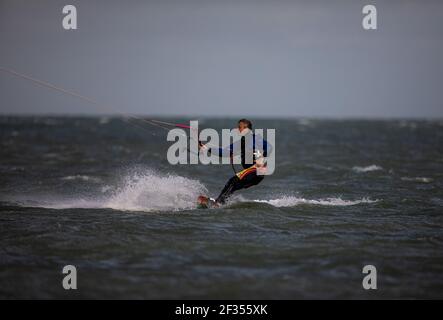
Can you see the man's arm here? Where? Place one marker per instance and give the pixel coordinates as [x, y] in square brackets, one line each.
[227, 151]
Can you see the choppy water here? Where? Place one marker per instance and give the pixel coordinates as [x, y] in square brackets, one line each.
[99, 194]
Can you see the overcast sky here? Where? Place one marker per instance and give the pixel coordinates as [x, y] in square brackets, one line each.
[225, 58]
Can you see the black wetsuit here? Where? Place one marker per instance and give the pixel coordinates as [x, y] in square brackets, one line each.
[245, 178]
[236, 183]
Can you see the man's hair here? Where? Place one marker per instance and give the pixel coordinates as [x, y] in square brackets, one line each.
[247, 122]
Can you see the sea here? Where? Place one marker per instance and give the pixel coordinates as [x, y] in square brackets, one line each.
[97, 193]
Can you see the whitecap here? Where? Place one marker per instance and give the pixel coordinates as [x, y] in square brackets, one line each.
[290, 201]
[417, 179]
[370, 168]
[81, 178]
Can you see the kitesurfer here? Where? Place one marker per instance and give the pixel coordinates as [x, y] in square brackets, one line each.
[253, 171]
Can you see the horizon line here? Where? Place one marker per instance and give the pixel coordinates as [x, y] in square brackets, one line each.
[258, 117]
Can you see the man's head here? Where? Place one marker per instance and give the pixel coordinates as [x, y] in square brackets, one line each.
[244, 124]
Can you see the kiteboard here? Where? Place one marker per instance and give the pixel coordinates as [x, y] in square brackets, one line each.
[204, 202]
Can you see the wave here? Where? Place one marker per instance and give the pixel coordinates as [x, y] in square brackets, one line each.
[133, 202]
[370, 168]
[418, 179]
[141, 191]
[290, 201]
[81, 177]
[149, 191]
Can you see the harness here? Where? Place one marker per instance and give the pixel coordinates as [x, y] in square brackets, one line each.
[246, 172]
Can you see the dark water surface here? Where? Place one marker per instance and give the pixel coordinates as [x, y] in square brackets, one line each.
[98, 193]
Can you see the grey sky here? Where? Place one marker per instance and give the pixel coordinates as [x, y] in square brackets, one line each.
[225, 58]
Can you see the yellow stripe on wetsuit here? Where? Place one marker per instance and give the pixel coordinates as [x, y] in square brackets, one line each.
[246, 171]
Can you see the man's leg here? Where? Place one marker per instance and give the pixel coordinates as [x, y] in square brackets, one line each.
[236, 183]
[230, 187]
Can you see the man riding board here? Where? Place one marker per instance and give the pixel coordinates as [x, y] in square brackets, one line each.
[253, 150]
